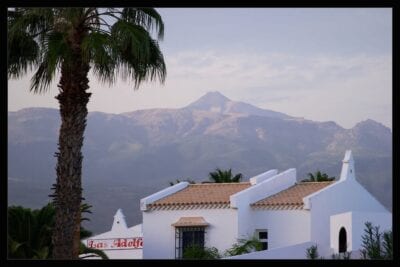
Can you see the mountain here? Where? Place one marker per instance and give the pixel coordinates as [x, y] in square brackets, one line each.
[131, 155]
[216, 102]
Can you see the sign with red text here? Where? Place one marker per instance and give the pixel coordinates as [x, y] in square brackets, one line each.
[116, 243]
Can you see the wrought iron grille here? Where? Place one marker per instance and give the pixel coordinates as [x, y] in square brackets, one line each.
[187, 237]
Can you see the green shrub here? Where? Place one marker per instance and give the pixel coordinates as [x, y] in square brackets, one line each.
[312, 252]
[200, 253]
[244, 246]
[376, 245]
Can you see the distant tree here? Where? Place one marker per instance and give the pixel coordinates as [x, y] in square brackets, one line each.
[30, 231]
[189, 180]
[376, 245]
[224, 176]
[318, 177]
[244, 246]
[200, 253]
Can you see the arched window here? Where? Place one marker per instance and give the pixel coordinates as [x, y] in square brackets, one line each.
[342, 240]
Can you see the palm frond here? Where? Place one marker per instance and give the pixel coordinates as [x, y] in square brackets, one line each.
[148, 18]
[86, 252]
[97, 49]
[54, 51]
[22, 53]
[40, 38]
[136, 54]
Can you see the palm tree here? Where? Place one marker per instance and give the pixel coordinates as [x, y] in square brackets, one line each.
[110, 41]
[224, 176]
[189, 180]
[318, 177]
[29, 233]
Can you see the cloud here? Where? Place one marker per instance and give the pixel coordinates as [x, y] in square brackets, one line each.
[320, 87]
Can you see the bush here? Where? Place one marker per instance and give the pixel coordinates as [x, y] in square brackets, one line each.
[312, 253]
[342, 256]
[199, 253]
[244, 246]
[376, 245]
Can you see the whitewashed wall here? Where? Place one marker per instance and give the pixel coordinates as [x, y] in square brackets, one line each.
[285, 227]
[159, 234]
[119, 229]
[264, 185]
[336, 223]
[134, 231]
[343, 196]
[354, 223]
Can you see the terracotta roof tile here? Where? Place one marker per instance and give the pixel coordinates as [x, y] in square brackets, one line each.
[202, 194]
[291, 198]
[190, 221]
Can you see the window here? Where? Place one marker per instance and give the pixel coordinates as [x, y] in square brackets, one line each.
[187, 237]
[262, 235]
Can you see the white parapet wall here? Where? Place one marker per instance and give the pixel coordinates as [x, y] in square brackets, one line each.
[263, 176]
[297, 251]
[268, 187]
[270, 184]
[161, 194]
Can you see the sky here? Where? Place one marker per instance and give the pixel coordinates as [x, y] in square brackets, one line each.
[323, 64]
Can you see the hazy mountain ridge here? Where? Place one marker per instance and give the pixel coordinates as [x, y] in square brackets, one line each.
[130, 155]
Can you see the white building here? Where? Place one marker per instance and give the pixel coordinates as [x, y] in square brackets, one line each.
[120, 242]
[286, 215]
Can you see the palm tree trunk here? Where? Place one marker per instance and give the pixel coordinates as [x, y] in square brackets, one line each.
[73, 100]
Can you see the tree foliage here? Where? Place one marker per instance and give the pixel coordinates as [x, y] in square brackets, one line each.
[312, 252]
[29, 232]
[318, 177]
[375, 244]
[189, 180]
[243, 246]
[201, 253]
[115, 41]
[224, 176]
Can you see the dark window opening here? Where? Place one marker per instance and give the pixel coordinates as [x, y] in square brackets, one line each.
[263, 238]
[187, 237]
[263, 235]
[264, 245]
[342, 240]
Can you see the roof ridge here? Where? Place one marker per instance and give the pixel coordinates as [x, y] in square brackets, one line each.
[322, 182]
[241, 183]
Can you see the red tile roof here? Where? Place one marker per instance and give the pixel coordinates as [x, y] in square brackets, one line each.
[201, 194]
[291, 198]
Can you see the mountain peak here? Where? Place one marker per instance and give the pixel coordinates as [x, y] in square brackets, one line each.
[217, 102]
[215, 95]
[369, 123]
[212, 101]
